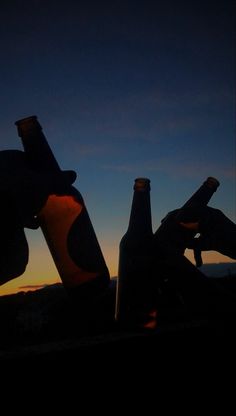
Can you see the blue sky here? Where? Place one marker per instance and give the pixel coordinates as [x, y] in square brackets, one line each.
[123, 89]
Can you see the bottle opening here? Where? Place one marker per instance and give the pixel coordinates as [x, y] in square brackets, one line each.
[212, 182]
[142, 184]
[24, 125]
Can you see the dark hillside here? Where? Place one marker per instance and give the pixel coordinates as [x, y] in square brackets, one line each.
[44, 323]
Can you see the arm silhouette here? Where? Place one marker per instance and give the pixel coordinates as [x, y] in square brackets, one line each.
[216, 232]
[23, 194]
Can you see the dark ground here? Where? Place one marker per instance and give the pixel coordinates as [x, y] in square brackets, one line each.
[44, 325]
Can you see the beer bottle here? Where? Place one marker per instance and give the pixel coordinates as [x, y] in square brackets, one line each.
[199, 199]
[135, 303]
[171, 235]
[65, 222]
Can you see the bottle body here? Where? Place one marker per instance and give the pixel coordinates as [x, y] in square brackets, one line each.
[64, 219]
[135, 297]
[67, 229]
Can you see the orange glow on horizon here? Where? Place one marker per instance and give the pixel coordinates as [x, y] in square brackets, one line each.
[209, 257]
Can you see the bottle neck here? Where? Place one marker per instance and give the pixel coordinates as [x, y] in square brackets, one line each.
[38, 152]
[140, 221]
[203, 195]
[198, 201]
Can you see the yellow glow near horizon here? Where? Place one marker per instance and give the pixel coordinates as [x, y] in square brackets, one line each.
[41, 269]
[209, 257]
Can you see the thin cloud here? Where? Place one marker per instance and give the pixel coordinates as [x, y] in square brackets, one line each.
[121, 168]
[90, 149]
[151, 114]
[176, 168]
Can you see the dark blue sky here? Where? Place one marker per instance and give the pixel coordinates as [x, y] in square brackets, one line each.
[125, 89]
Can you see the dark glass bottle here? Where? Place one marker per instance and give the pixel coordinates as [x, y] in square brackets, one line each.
[199, 199]
[64, 221]
[135, 299]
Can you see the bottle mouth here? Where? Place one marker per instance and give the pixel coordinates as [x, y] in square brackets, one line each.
[26, 120]
[212, 182]
[141, 184]
[27, 124]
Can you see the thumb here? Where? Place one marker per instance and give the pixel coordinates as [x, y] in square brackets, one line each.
[68, 176]
[61, 181]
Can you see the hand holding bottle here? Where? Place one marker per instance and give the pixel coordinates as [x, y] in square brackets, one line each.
[26, 190]
[64, 219]
[217, 232]
[180, 226]
[23, 193]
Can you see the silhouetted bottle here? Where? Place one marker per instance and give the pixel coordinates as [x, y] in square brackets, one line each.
[200, 198]
[135, 298]
[65, 222]
[171, 235]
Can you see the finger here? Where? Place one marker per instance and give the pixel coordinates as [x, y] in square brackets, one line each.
[197, 256]
[69, 176]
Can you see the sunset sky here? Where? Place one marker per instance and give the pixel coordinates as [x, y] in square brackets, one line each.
[123, 89]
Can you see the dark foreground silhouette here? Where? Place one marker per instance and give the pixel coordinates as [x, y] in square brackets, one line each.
[63, 320]
[45, 324]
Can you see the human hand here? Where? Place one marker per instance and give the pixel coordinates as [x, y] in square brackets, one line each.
[25, 190]
[23, 194]
[216, 232]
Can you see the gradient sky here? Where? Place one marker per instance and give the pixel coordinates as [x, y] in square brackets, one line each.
[123, 89]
